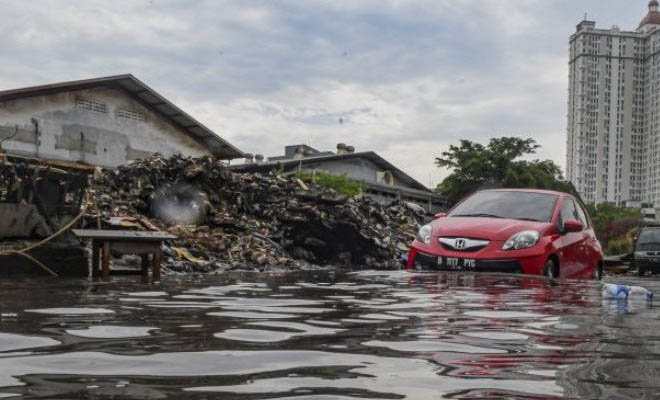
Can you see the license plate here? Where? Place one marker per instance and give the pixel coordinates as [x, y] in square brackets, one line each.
[457, 264]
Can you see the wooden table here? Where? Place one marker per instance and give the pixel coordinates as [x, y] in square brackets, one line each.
[143, 243]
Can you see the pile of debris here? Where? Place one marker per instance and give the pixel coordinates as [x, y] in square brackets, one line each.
[36, 197]
[226, 220]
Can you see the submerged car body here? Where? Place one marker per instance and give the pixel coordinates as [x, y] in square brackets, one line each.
[646, 250]
[511, 230]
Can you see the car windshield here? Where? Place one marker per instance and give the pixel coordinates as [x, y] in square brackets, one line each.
[649, 235]
[508, 204]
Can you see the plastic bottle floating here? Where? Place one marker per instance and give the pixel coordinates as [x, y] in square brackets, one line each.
[615, 291]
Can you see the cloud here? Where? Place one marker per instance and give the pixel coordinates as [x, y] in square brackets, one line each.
[406, 77]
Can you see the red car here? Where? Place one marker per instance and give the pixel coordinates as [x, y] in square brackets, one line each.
[536, 232]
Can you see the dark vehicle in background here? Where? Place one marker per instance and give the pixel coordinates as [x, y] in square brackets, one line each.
[646, 250]
[528, 231]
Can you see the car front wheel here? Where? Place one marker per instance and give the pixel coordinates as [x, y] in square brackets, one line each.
[598, 272]
[550, 270]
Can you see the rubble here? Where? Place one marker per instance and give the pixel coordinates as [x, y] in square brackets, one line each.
[226, 220]
[36, 198]
[39, 201]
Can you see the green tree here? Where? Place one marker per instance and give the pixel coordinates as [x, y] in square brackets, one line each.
[615, 226]
[604, 213]
[339, 183]
[475, 166]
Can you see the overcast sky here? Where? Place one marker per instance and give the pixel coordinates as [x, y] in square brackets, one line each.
[406, 77]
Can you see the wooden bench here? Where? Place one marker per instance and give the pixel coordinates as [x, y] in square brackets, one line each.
[142, 243]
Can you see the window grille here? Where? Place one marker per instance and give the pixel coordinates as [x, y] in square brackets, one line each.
[134, 115]
[91, 105]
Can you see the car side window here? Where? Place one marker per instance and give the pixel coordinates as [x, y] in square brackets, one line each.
[583, 215]
[568, 211]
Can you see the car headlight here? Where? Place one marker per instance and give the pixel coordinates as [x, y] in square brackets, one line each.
[424, 234]
[521, 240]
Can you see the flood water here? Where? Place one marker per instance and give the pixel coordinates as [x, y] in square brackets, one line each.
[320, 335]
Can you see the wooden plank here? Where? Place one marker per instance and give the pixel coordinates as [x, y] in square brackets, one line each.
[143, 236]
[88, 169]
[158, 255]
[95, 259]
[126, 247]
[145, 265]
[105, 261]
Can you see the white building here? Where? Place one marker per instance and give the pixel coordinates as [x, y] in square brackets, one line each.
[104, 121]
[613, 132]
[383, 181]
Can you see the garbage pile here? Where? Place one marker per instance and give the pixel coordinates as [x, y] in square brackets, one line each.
[226, 220]
[36, 197]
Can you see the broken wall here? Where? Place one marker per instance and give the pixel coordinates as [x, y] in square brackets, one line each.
[100, 126]
[21, 221]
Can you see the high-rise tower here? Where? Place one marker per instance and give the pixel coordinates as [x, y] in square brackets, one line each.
[613, 132]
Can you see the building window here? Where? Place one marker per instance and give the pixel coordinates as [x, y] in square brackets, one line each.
[91, 105]
[385, 177]
[134, 115]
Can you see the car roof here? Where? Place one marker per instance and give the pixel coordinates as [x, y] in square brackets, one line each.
[653, 226]
[528, 190]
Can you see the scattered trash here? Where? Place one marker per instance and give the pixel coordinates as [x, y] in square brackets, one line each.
[36, 199]
[40, 201]
[404, 259]
[185, 254]
[226, 220]
[302, 185]
[416, 208]
[616, 291]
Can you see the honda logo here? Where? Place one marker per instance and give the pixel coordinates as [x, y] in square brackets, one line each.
[462, 244]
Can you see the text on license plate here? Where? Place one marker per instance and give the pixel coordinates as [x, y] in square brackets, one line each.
[456, 263]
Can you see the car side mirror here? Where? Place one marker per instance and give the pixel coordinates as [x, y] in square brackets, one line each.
[573, 225]
[440, 215]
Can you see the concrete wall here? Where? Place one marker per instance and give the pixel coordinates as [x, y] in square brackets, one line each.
[354, 168]
[101, 126]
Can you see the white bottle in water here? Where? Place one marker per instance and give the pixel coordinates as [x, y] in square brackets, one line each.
[615, 291]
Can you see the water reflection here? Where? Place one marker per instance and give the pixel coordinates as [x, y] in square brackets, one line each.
[111, 332]
[365, 335]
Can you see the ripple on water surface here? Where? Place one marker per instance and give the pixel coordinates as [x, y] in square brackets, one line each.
[250, 315]
[496, 335]
[422, 346]
[288, 330]
[72, 311]
[375, 334]
[112, 332]
[147, 294]
[254, 335]
[13, 342]
[502, 314]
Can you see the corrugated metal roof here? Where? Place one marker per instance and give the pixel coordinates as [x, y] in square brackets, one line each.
[146, 96]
